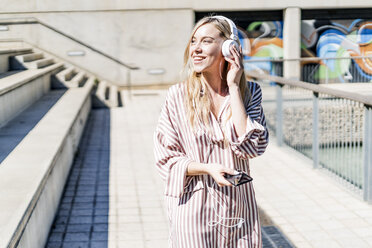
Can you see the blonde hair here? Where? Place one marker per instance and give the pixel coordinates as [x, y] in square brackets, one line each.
[198, 100]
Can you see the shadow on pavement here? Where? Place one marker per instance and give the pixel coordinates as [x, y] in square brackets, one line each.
[82, 217]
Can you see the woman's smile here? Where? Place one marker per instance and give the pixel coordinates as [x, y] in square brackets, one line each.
[198, 59]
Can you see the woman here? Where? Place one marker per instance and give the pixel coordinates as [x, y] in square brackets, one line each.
[211, 125]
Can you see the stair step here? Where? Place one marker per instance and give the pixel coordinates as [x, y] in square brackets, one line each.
[15, 50]
[41, 63]
[9, 73]
[113, 96]
[66, 74]
[30, 57]
[40, 165]
[19, 90]
[7, 57]
[77, 79]
[123, 97]
[101, 90]
[15, 130]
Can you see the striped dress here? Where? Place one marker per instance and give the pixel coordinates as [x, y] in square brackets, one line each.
[202, 214]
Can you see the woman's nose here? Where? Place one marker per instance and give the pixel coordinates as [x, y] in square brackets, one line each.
[197, 47]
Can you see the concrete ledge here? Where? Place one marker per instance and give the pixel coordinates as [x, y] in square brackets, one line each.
[5, 53]
[32, 177]
[22, 89]
[15, 50]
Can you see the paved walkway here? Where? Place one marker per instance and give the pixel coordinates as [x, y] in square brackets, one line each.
[309, 206]
[114, 198]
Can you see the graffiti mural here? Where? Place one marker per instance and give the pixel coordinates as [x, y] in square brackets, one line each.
[341, 41]
[263, 41]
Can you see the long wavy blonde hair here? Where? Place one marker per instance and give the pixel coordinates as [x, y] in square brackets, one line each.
[198, 100]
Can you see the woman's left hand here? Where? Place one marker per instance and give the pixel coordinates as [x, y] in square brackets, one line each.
[235, 68]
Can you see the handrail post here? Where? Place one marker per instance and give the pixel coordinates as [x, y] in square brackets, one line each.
[315, 130]
[367, 154]
[279, 114]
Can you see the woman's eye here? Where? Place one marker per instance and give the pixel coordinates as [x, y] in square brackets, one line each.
[207, 41]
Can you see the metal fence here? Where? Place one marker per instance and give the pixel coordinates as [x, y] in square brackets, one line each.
[340, 131]
[331, 126]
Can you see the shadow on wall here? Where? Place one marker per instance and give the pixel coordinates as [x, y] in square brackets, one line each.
[82, 218]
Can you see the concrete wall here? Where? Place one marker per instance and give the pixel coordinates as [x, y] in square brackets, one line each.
[148, 34]
[153, 39]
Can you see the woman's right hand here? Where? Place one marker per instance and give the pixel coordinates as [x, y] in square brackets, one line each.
[217, 171]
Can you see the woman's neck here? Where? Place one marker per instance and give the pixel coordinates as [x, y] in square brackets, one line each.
[215, 83]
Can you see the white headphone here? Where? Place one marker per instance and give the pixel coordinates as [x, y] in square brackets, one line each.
[232, 41]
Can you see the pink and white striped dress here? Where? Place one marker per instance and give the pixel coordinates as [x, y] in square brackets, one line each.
[202, 214]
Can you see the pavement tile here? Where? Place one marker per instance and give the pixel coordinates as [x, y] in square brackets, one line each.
[54, 245]
[56, 236]
[101, 219]
[355, 223]
[78, 236]
[101, 205]
[99, 236]
[84, 199]
[100, 227]
[81, 220]
[75, 245]
[61, 220]
[365, 213]
[351, 242]
[101, 211]
[65, 206]
[368, 240]
[99, 244]
[81, 212]
[334, 224]
[67, 199]
[325, 244]
[79, 228]
[158, 243]
[363, 232]
[82, 205]
[58, 228]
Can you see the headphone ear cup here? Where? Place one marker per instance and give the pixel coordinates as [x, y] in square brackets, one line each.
[226, 47]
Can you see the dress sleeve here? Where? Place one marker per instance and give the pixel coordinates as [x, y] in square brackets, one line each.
[171, 159]
[255, 139]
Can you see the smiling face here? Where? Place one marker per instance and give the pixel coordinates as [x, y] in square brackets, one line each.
[205, 49]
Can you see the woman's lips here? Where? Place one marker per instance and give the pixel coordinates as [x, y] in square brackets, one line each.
[198, 59]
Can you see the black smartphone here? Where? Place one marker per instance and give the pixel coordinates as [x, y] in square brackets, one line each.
[238, 179]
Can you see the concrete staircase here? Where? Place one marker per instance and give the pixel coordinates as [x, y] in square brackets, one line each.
[104, 94]
[44, 106]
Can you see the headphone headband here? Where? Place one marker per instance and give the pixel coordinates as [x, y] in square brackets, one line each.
[233, 28]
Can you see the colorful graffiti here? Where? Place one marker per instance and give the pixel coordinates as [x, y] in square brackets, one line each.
[263, 41]
[332, 39]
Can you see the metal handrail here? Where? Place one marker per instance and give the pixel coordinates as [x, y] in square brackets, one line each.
[33, 20]
[304, 59]
[361, 137]
[365, 99]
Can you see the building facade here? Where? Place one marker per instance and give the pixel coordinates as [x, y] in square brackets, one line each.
[152, 35]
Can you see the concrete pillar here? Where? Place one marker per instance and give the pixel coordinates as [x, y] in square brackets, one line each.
[292, 42]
